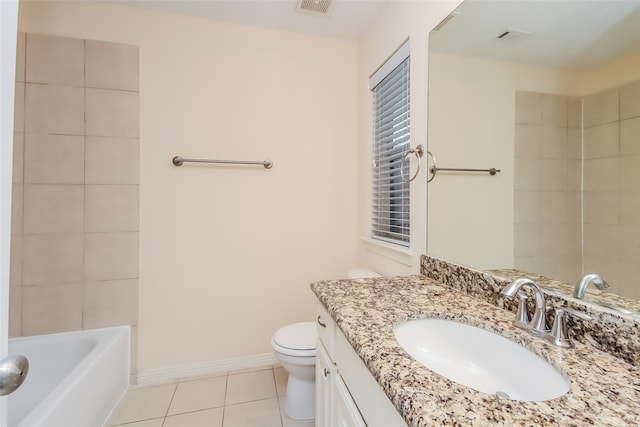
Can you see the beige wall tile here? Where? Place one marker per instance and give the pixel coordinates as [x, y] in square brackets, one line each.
[527, 174]
[630, 100]
[630, 173]
[628, 274]
[54, 159]
[18, 158]
[574, 115]
[553, 174]
[112, 160]
[52, 259]
[112, 113]
[528, 108]
[602, 107]
[574, 143]
[574, 175]
[553, 265]
[574, 207]
[15, 261]
[630, 207]
[110, 303]
[17, 208]
[112, 208]
[553, 144]
[527, 140]
[111, 256]
[112, 65]
[20, 56]
[602, 140]
[601, 174]
[54, 109]
[53, 208]
[555, 110]
[526, 240]
[600, 241]
[553, 207]
[18, 108]
[628, 243]
[51, 309]
[526, 207]
[630, 136]
[600, 207]
[15, 312]
[55, 60]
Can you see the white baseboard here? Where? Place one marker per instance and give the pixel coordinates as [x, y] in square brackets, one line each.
[214, 367]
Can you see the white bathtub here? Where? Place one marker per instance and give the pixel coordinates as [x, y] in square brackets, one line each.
[75, 378]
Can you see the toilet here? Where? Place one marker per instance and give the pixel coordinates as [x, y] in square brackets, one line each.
[295, 348]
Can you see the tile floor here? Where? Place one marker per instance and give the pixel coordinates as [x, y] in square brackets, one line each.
[242, 399]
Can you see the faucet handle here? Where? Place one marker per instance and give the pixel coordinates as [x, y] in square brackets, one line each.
[559, 335]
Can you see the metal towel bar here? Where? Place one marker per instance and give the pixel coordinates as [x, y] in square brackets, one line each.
[179, 161]
[435, 169]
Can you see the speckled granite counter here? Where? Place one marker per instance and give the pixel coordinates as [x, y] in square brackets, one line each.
[604, 389]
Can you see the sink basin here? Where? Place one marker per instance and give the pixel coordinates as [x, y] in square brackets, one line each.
[481, 360]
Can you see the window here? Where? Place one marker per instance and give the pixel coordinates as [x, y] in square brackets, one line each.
[390, 89]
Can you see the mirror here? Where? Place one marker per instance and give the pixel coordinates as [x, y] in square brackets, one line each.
[548, 92]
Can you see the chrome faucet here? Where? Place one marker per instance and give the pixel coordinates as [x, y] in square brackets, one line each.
[581, 286]
[537, 324]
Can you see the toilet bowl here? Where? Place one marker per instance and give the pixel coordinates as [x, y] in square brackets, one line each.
[295, 348]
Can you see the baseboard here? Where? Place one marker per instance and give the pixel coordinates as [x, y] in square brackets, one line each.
[214, 367]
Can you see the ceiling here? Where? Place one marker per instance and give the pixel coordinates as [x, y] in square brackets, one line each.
[572, 34]
[346, 19]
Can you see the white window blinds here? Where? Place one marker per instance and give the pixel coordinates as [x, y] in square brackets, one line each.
[391, 134]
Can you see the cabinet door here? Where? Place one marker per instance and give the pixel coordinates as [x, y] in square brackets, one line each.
[325, 374]
[346, 411]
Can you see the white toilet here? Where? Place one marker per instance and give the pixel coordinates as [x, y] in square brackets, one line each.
[295, 348]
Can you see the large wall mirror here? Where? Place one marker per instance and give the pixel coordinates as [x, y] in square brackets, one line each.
[548, 92]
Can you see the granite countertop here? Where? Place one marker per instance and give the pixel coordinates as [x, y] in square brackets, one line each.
[604, 389]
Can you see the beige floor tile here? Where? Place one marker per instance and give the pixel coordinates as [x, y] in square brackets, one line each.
[206, 418]
[156, 422]
[281, 376]
[197, 395]
[143, 403]
[250, 386]
[263, 413]
[288, 422]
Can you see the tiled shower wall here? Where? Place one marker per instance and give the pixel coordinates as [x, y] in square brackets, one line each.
[547, 233]
[547, 184]
[75, 219]
[612, 187]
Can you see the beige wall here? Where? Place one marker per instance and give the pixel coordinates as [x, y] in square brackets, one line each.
[401, 20]
[227, 253]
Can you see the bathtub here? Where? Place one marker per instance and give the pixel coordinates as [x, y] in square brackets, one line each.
[75, 378]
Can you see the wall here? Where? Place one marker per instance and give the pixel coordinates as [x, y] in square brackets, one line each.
[74, 260]
[227, 253]
[399, 21]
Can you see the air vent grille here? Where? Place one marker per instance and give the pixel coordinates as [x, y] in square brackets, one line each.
[317, 6]
[513, 34]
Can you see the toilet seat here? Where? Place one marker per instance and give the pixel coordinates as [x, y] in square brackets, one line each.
[297, 339]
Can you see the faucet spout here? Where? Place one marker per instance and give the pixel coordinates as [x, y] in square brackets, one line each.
[593, 278]
[538, 320]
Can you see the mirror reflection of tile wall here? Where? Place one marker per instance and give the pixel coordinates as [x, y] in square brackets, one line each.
[549, 205]
[75, 210]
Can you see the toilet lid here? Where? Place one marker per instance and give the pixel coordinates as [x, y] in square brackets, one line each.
[297, 336]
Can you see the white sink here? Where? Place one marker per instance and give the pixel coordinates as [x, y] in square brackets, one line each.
[481, 360]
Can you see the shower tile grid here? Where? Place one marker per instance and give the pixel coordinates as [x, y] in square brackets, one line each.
[240, 399]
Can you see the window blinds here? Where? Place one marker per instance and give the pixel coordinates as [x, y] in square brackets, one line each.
[391, 135]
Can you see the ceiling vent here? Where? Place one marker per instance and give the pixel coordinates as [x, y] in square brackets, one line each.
[316, 6]
[513, 35]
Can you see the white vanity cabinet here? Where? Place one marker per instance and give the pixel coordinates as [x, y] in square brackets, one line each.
[347, 395]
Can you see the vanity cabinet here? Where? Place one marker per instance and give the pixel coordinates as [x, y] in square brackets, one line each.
[347, 395]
